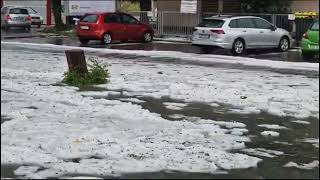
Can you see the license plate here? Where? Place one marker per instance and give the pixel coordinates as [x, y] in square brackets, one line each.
[84, 27]
[204, 36]
[18, 18]
[314, 47]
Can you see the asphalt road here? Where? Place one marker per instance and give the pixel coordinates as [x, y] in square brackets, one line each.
[294, 55]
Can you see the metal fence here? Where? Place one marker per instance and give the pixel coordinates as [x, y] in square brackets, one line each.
[169, 23]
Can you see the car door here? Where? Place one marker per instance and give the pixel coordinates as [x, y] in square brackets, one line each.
[133, 27]
[269, 38]
[113, 24]
[247, 31]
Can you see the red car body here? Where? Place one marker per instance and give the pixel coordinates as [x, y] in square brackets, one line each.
[120, 26]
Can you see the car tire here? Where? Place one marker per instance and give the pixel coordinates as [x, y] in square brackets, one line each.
[284, 44]
[307, 56]
[147, 37]
[106, 39]
[84, 41]
[238, 47]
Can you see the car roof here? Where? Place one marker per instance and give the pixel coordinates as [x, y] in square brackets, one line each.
[12, 7]
[229, 17]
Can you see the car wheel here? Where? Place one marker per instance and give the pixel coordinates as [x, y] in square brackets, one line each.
[238, 47]
[307, 56]
[284, 44]
[147, 37]
[107, 39]
[84, 41]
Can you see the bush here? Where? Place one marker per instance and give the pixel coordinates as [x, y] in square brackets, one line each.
[98, 74]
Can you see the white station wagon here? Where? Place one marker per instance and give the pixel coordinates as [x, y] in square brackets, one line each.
[240, 33]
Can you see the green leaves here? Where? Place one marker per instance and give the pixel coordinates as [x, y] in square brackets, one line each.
[266, 6]
[98, 74]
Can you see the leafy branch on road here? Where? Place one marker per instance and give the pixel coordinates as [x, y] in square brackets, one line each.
[98, 74]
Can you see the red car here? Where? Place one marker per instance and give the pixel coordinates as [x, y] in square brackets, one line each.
[109, 27]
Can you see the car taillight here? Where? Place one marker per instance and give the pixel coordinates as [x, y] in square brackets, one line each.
[195, 29]
[28, 18]
[218, 31]
[305, 35]
[8, 17]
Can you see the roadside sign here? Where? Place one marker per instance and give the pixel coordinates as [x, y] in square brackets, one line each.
[189, 6]
[82, 7]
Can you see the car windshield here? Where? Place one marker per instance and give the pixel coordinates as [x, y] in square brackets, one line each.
[18, 11]
[91, 18]
[213, 23]
[315, 26]
[31, 10]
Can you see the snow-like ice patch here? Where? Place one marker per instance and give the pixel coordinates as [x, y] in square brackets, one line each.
[313, 141]
[272, 126]
[239, 131]
[284, 143]
[301, 122]
[270, 133]
[25, 170]
[174, 106]
[134, 100]
[107, 137]
[245, 91]
[309, 166]
[263, 152]
[176, 116]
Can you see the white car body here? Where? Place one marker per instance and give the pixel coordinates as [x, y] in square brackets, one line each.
[225, 36]
[36, 18]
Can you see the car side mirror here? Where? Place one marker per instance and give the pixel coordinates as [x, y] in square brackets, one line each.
[273, 28]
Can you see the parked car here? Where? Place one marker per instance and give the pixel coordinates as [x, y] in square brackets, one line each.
[310, 41]
[109, 27]
[240, 33]
[15, 17]
[36, 18]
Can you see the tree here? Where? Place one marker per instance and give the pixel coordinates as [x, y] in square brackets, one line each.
[57, 10]
[145, 5]
[266, 6]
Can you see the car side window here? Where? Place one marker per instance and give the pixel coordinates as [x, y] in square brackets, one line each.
[261, 24]
[126, 19]
[233, 24]
[112, 18]
[245, 23]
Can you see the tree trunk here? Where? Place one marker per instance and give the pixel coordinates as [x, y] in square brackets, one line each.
[145, 5]
[57, 9]
[76, 61]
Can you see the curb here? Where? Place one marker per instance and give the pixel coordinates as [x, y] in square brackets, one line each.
[16, 37]
[166, 40]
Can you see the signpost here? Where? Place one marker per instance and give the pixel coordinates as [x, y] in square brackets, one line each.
[189, 6]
